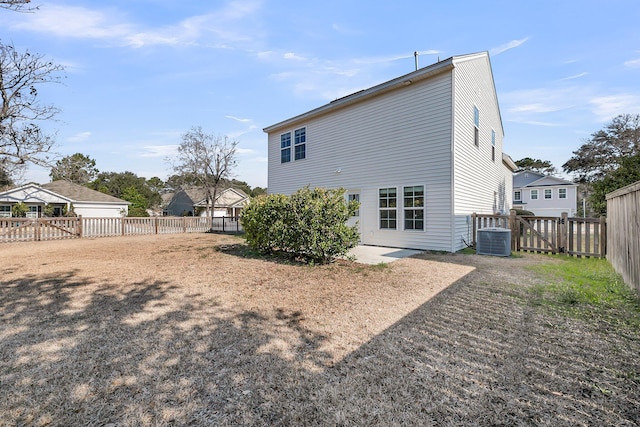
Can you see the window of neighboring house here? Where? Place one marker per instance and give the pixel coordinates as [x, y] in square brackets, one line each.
[562, 193]
[517, 196]
[414, 207]
[5, 211]
[356, 197]
[285, 147]
[547, 193]
[387, 198]
[32, 212]
[493, 145]
[476, 127]
[300, 143]
[534, 194]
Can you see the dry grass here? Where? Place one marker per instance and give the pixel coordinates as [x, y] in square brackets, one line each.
[193, 330]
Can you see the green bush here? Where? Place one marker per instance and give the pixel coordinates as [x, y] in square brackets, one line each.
[19, 210]
[523, 212]
[309, 224]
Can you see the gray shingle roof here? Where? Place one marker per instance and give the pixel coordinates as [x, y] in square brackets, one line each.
[79, 193]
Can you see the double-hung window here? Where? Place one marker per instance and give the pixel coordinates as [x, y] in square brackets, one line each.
[562, 193]
[476, 126]
[285, 147]
[387, 205]
[414, 207]
[300, 143]
[547, 193]
[534, 194]
[493, 145]
[517, 196]
[5, 211]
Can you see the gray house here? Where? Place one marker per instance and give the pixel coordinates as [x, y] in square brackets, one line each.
[192, 201]
[544, 195]
[421, 153]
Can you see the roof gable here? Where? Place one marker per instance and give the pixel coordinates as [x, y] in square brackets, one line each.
[536, 179]
[32, 193]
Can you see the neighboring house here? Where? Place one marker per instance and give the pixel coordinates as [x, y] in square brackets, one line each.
[193, 201]
[544, 195]
[421, 153]
[61, 195]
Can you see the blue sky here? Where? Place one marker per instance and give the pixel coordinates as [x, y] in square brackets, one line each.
[140, 73]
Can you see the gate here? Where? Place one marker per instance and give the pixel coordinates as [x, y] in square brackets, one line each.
[571, 236]
[36, 229]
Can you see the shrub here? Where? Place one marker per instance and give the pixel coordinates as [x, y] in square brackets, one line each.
[523, 212]
[19, 210]
[309, 224]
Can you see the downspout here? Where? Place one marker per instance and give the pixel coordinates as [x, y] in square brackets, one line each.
[452, 160]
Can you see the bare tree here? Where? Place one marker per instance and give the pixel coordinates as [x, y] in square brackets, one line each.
[17, 5]
[21, 139]
[207, 157]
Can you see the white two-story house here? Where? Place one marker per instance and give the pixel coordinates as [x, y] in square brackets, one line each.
[421, 153]
[544, 195]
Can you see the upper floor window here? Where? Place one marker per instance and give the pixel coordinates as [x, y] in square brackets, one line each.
[517, 196]
[414, 207]
[387, 204]
[534, 194]
[285, 147]
[476, 127]
[547, 193]
[493, 145]
[562, 193]
[300, 143]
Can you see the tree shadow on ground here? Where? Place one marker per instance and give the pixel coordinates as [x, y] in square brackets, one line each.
[75, 352]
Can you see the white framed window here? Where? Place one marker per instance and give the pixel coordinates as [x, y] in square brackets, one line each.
[285, 147]
[356, 197]
[562, 193]
[414, 207]
[517, 196]
[298, 144]
[534, 194]
[493, 145]
[5, 211]
[387, 206]
[476, 126]
[547, 193]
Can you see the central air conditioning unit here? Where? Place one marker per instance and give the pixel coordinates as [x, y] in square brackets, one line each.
[494, 241]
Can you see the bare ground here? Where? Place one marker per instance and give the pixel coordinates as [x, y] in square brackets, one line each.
[193, 330]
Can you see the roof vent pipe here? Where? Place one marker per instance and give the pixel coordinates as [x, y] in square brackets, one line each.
[415, 54]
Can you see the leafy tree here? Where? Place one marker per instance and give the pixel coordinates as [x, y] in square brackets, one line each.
[627, 173]
[536, 165]
[258, 191]
[138, 202]
[115, 183]
[77, 168]
[19, 210]
[309, 224]
[5, 179]
[208, 158]
[605, 150]
[17, 5]
[21, 139]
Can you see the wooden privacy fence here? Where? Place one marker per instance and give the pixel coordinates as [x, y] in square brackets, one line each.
[623, 210]
[571, 236]
[39, 229]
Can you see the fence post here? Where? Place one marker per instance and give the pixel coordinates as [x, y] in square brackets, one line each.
[156, 221]
[36, 224]
[514, 229]
[123, 226]
[79, 227]
[563, 229]
[603, 237]
[473, 230]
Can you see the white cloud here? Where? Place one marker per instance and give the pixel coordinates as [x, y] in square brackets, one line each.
[237, 119]
[293, 56]
[633, 63]
[159, 150]
[225, 25]
[577, 76]
[79, 137]
[507, 46]
[244, 151]
[607, 107]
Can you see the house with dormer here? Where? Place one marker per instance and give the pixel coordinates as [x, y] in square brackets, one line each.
[544, 195]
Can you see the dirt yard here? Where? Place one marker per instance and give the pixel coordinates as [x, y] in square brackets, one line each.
[194, 330]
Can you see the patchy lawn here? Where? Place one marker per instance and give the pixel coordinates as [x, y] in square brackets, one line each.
[194, 330]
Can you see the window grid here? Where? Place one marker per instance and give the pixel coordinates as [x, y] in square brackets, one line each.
[285, 147]
[517, 196]
[547, 193]
[476, 129]
[414, 208]
[300, 143]
[356, 197]
[387, 204]
[534, 194]
[562, 193]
